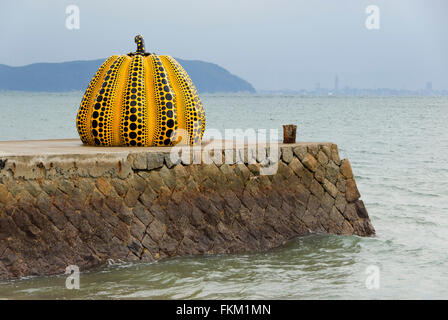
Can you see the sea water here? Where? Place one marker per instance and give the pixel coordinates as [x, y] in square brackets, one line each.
[398, 148]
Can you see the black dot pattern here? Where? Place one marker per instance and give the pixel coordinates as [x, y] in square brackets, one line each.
[118, 110]
[134, 114]
[85, 110]
[194, 112]
[140, 44]
[165, 102]
[102, 115]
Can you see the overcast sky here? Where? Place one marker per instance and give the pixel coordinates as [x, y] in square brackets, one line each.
[281, 44]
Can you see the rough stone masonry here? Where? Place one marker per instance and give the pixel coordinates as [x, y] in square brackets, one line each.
[65, 204]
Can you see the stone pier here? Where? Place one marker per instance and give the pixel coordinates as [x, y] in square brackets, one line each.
[63, 204]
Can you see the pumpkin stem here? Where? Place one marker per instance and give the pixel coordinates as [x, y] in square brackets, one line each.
[140, 44]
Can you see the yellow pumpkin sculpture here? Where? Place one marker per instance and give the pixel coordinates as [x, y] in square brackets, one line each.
[140, 99]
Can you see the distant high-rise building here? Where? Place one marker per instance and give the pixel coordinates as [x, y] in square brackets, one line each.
[429, 86]
[317, 86]
[336, 83]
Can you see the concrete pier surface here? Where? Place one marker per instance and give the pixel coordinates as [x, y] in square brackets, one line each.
[62, 203]
[64, 147]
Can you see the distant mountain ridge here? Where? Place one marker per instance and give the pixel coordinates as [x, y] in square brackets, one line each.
[76, 75]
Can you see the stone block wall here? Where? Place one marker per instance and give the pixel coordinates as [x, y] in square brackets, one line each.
[136, 205]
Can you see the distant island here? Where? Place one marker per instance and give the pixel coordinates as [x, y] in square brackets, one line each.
[76, 75]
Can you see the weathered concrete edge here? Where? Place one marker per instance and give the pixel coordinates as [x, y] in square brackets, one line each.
[19, 172]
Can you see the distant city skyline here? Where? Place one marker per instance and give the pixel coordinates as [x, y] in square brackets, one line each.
[275, 45]
[425, 90]
[336, 83]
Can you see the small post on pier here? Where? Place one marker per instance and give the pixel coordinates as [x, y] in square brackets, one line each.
[289, 133]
